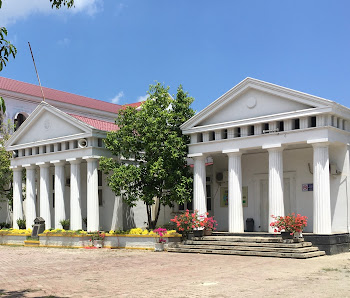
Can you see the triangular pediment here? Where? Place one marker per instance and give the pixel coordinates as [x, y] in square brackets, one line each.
[47, 123]
[252, 99]
[251, 104]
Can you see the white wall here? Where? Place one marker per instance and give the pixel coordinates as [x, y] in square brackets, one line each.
[295, 161]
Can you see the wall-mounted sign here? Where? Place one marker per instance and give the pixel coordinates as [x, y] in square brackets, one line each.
[224, 196]
[308, 187]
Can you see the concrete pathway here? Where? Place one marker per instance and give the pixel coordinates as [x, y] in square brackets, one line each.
[50, 272]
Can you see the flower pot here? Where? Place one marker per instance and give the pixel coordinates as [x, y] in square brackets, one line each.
[98, 243]
[286, 235]
[207, 232]
[298, 235]
[198, 233]
[159, 246]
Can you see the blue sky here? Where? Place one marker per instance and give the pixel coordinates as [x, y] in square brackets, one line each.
[113, 50]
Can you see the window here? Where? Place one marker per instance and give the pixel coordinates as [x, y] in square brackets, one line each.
[100, 193]
[53, 191]
[313, 121]
[281, 126]
[19, 119]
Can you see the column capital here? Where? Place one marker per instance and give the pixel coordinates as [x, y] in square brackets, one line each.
[232, 152]
[319, 142]
[16, 168]
[30, 166]
[58, 162]
[273, 147]
[74, 161]
[91, 158]
[43, 164]
[197, 156]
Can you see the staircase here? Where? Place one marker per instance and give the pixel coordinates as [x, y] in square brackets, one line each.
[256, 244]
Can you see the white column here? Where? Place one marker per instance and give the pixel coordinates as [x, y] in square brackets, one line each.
[230, 133]
[258, 129]
[276, 203]
[304, 122]
[322, 199]
[17, 195]
[199, 181]
[60, 211]
[93, 218]
[287, 125]
[45, 212]
[30, 195]
[205, 136]
[235, 207]
[218, 135]
[194, 138]
[76, 221]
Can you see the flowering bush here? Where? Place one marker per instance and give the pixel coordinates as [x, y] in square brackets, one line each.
[160, 232]
[136, 231]
[186, 222]
[15, 231]
[97, 236]
[209, 223]
[64, 232]
[290, 223]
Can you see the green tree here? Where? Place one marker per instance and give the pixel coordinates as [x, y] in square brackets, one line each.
[151, 152]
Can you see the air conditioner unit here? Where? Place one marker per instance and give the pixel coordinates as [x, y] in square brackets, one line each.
[221, 176]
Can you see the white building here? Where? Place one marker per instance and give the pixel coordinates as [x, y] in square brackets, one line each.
[59, 146]
[283, 151]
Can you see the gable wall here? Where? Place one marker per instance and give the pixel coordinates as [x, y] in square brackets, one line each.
[252, 103]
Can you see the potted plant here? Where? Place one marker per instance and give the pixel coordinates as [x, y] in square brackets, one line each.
[209, 225]
[290, 226]
[159, 245]
[97, 239]
[65, 223]
[186, 223]
[21, 223]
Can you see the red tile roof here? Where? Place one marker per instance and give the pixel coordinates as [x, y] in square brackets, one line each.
[99, 124]
[61, 96]
[134, 105]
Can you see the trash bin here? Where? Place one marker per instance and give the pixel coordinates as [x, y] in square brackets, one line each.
[250, 224]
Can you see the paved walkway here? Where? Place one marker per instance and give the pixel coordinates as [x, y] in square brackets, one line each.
[50, 272]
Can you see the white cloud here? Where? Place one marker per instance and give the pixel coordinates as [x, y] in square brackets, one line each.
[14, 10]
[142, 98]
[117, 98]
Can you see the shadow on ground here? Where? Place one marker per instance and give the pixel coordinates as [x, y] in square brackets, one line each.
[4, 293]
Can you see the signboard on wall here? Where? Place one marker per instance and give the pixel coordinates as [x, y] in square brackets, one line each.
[308, 187]
[224, 196]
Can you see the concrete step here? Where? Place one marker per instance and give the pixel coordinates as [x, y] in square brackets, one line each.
[274, 239]
[258, 244]
[296, 255]
[249, 248]
[34, 243]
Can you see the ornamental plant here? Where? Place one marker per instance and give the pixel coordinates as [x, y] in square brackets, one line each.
[290, 223]
[97, 236]
[160, 232]
[186, 222]
[209, 223]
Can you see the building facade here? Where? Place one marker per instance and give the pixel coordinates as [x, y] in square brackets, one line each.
[57, 148]
[274, 151]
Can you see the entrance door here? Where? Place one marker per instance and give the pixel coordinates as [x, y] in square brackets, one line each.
[264, 200]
